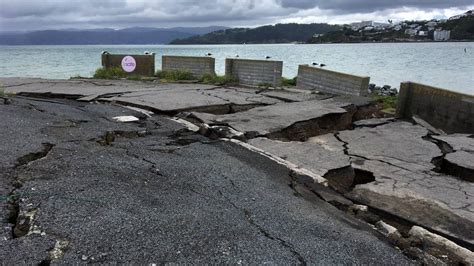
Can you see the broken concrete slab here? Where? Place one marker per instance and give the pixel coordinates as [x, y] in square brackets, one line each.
[331, 164]
[459, 142]
[427, 125]
[69, 87]
[459, 163]
[331, 196]
[373, 122]
[302, 175]
[439, 202]
[400, 161]
[399, 143]
[240, 96]
[199, 117]
[276, 118]
[430, 240]
[161, 100]
[88, 89]
[459, 160]
[295, 96]
[215, 100]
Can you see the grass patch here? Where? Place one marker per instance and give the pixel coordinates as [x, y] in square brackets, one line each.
[175, 75]
[110, 73]
[2, 92]
[288, 82]
[389, 102]
[218, 80]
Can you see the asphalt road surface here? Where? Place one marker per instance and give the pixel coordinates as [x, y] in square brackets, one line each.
[81, 188]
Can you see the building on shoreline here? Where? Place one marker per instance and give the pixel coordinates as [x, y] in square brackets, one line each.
[441, 35]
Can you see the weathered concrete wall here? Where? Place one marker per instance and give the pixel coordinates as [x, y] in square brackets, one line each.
[450, 111]
[145, 64]
[198, 66]
[331, 81]
[254, 72]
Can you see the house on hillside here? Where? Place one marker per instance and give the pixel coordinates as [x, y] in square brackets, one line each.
[422, 33]
[411, 32]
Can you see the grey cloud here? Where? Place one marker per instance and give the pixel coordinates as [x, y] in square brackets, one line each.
[19, 14]
[32, 8]
[41, 14]
[366, 6]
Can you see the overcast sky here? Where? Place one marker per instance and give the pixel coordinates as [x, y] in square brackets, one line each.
[58, 14]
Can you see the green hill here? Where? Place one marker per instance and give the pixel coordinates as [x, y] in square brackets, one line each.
[279, 33]
[461, 28]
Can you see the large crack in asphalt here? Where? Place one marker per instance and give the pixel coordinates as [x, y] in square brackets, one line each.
[263, 231]
[33, 156]
[444, 166]
[267, 234]
[303, 130]
[444, 147]
[22, 220]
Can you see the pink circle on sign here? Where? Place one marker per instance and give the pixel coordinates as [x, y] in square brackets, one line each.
[129, 64]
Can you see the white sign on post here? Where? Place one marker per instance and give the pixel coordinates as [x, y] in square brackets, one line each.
[129, 64]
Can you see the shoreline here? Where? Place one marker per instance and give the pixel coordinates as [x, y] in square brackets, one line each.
[202, 44]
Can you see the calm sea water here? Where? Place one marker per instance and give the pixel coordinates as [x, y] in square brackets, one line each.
[444, 65]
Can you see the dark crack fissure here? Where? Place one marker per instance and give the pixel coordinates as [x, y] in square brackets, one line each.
[443, 166]
[341, 179]
[303, 130]
[264, 232]
[444, 147]
[229, 108]
[49, 95]
[346, 152]
[21, 225]
[285, 244]
[153, 167]
[30, 157]
[344, 144]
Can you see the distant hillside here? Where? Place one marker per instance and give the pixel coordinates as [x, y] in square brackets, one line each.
[461, 28]
[103, 36]
[279, 33]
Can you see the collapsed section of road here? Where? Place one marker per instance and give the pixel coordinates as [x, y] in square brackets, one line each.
[342, 149]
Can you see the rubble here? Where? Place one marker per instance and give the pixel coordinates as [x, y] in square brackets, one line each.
[431, 240]
[385, 90]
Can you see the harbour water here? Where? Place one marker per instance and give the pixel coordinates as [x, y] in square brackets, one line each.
[445, 65]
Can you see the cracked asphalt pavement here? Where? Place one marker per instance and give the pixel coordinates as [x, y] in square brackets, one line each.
[79, 187]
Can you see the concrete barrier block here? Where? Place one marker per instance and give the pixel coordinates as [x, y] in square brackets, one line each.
[140, 65]
[197, 65]
[331, 81]
[254, 72]
[447, 110]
